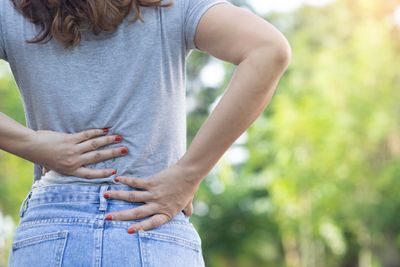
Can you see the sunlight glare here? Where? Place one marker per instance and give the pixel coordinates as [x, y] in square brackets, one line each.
[213, 74]
[266, 6]
[397, 16]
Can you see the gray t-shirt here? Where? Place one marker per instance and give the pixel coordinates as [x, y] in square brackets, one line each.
[132, 80]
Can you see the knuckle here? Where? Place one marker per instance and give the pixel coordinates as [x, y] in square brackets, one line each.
[156, 196]
[69, 163]
[87, 134]
[97, 156]
[132, 213]
[70, 152]
[158, 221]
[164, 206]
[138, 213]
[148, 183]
[131, 197]
[94, 144]
[67, 138]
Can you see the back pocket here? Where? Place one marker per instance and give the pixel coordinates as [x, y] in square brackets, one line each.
[44, 249]
[171, 244]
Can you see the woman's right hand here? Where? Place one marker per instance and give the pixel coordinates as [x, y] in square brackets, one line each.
[68, 153]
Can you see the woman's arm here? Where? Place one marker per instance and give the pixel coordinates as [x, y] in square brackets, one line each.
[62, 152]
[261, 54]
[14, 137]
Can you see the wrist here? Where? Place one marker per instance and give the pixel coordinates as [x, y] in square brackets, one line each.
[195, 172]
[26, 145]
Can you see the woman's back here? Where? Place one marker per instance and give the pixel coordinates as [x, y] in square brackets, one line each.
[131, 80]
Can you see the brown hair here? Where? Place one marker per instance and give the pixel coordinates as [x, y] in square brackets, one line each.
[64, 19]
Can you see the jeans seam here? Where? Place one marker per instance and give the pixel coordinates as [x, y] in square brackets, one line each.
[170, 238]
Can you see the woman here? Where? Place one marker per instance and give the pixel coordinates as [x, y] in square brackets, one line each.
[82, 66]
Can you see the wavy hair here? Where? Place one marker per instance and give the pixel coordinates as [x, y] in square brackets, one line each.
[64, 19]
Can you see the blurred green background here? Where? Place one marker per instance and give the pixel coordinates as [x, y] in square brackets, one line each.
[315, 181]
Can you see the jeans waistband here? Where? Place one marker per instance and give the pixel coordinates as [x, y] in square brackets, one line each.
[72, 193]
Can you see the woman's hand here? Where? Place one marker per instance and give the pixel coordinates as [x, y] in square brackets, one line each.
[68, 153]
[166, 194]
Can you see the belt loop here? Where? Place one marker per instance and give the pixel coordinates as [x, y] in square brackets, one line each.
[103, 200]
[24, 204]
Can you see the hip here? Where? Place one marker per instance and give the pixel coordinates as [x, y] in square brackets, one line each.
[64, 225]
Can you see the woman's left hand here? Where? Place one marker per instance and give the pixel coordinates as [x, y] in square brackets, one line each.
[166, 194]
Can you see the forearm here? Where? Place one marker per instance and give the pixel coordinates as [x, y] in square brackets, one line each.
[249, 92]
[14, 137]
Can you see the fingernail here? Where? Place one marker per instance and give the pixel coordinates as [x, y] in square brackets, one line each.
[118, 138]
[105, 130]
[109, 217]
[117, 179]
[107, 195]
[131, 230]
[113, 172]
[124, 150]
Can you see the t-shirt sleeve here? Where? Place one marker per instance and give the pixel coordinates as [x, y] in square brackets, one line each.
[2, 51]
[2, 46]
[193, 11]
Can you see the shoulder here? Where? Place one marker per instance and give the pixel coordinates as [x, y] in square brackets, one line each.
[7, 9]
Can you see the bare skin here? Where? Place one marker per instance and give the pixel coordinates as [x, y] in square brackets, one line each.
[261, 54]
[65, 153]
[227, 32]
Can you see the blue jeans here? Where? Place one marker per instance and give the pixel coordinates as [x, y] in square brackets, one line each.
[64, 225]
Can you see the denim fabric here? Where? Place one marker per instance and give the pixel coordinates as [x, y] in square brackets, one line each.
[64, 225]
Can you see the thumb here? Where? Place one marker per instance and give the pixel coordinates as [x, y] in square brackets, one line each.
[188, 210]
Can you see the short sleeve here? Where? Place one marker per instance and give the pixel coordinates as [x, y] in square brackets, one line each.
[193, 11]
[2, 45]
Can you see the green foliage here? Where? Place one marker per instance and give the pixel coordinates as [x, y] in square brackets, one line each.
[321, 185]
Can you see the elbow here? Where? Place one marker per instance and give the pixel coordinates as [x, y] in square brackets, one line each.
[279, 53]
[283, 54]
[275, 54]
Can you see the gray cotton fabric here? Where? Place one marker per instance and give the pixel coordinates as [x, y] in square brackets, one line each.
[132, 80]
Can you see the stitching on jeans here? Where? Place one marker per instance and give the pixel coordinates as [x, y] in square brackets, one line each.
[170, 238]
[39, 238]
[88, 222]
[62, 248]
[143, 250]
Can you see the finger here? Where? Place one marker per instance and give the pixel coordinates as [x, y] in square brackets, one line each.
[95, 143]
[93, 173]
[132, 214]
[150, 223]
[130, 196]
[188, 210]
[101, 155]
[84, 135]
[134, 181]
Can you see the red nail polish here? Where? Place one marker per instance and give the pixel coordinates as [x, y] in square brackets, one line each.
[113, 172]
[105, 130]
[131, 230]
[107, 195]
[118, 138]
[109, 217]
[124, 150]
